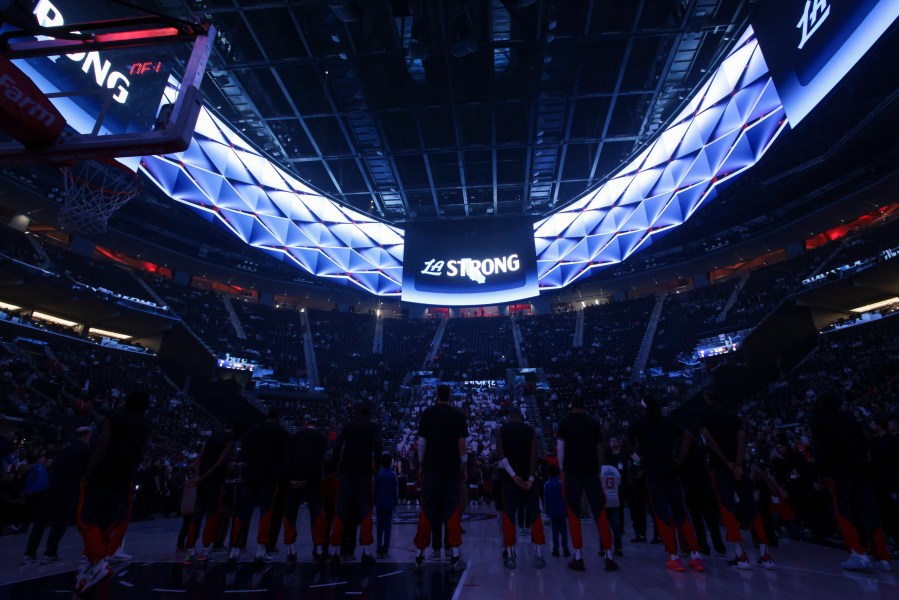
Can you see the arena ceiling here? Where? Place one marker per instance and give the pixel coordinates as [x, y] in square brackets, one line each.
[411, 109]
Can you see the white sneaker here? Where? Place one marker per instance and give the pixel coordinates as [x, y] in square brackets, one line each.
[857, 562]
[91, 576]
[120, 556]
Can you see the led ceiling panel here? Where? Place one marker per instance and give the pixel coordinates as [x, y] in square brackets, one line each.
[725, 129]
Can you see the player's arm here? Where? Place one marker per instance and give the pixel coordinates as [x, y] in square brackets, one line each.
[196, 469]
[220, 462]
[741, 448]
[685, 441]
[338, 447]
[100, 450]
[560, 452]
[714, 445]
[463, 456]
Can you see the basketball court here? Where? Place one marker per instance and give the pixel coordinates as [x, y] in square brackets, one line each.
[803, 571]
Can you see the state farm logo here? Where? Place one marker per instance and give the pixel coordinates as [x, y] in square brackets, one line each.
[475, 269]
[44, 114]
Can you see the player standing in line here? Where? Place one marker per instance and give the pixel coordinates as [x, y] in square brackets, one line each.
[107, 490]
[580, 449]
[839, 449]
[662, 446]
[65, 477]
[305, 458]
[356, 452]
[210, 470]
[443, 466]
[263, 452]
[516, 448]
[723, 431]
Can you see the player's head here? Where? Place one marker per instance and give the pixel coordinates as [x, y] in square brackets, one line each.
[137, 402]
[615, 445]
[443, 393]
[83, 433]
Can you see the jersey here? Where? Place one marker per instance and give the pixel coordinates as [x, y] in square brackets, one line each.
[657, 443]
[517, 438]
[128, 437]
[581, 434]
[211, 453]
[611, 482]
[263, 451]
[358, 446]
[723, 424]
[307, 453]
[442, 426]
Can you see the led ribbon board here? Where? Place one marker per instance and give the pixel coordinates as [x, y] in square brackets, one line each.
[726, 127]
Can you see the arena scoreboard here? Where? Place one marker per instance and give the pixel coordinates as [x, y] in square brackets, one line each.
[469, 262]
[810, 45]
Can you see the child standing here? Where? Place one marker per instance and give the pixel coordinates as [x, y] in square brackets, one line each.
[386, 497]
[611, 482]
[555, 509]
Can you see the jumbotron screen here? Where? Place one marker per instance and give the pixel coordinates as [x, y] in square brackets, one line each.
[810, 45]
[469, 262]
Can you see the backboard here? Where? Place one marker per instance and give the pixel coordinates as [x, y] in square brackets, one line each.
[124, 87]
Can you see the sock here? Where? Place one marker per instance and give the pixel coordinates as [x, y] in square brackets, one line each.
[538, 550]
[291, 549]
[366, 549]
[695, 555]
[421, 552]
[335, 550]
[739, 549]
[510, 550]
[609, 554]
[672, 557]
[577, 554]
[763, 549]
[260, 550]
[455, 552]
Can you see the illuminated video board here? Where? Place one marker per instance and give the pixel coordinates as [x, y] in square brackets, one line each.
[469, 262]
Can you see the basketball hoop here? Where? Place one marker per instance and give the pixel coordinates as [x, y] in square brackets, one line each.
[91, 192]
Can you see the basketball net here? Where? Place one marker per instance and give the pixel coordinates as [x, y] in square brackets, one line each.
[91, 192]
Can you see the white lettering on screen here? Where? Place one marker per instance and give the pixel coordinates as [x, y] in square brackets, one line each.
[812, 17]
[475, 269]
[49, 16]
